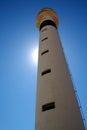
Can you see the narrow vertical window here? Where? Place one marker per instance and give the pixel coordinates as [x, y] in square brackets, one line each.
[46, 71]
[48, 106]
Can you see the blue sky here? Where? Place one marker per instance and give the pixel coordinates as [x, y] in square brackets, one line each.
[18, 72]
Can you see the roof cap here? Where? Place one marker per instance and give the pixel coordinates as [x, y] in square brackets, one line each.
[46, 12]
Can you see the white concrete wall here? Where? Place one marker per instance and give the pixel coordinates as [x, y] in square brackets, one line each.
[55, 86]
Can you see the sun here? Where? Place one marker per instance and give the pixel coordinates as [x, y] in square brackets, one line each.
[35, 55]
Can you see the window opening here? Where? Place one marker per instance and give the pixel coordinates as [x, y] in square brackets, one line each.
[48, 106]
[44, 52]
[46, 23]
[46, 71]
[45, 29]
[44, 39]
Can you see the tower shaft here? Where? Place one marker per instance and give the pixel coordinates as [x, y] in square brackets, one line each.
[56, 105]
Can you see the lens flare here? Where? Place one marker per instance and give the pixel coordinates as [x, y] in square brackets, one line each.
[35, 55]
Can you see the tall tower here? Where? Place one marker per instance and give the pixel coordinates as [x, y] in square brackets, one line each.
[56, 106]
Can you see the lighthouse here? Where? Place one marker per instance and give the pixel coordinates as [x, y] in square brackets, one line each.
[56, 103]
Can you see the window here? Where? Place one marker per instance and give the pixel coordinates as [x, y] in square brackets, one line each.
[44, 39]
[46, 23]
[46, 71]
[45, 29]
[48, 106]
[44, 52]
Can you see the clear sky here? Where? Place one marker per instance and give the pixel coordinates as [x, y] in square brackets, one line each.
[18, 72]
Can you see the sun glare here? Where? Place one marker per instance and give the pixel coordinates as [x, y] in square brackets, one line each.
[35, 55]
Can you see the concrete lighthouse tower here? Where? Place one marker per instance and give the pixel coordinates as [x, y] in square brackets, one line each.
[56, 105]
